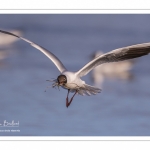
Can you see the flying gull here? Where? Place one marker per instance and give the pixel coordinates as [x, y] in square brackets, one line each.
[72, 80]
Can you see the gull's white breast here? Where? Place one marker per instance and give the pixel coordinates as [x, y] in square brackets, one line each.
[73, 81]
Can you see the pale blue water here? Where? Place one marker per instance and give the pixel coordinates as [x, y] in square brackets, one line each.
[123, 107]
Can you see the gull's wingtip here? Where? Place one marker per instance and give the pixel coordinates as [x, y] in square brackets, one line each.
[6, 32]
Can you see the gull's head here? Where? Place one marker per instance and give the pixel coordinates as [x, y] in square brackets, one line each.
[62, 80]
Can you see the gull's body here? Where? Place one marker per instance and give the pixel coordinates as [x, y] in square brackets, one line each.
[74, 83]
[72, 80]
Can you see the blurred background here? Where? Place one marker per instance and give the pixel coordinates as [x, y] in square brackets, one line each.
[121, 109]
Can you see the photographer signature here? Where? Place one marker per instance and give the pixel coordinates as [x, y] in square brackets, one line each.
[9, 124]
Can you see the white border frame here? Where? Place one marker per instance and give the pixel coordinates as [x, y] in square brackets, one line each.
[104, 7]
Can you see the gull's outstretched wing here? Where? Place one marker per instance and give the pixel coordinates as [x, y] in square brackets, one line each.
[120, 54]
[50, 55]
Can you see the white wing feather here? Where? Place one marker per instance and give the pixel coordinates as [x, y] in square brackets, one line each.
[120, 54]
[49, 54]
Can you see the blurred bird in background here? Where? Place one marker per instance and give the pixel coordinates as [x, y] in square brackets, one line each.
[6, 43]
[121, 70]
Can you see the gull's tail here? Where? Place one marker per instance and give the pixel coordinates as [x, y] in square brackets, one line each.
[88, 90]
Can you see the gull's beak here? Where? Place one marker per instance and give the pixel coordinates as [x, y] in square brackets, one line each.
[58, 87]
[61, 84]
